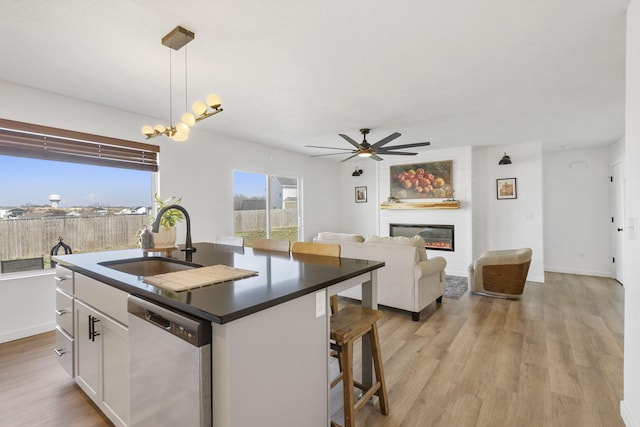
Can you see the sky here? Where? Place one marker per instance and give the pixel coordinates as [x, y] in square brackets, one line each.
[249, 184]
[30, 182]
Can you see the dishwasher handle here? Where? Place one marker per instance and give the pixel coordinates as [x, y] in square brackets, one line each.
[186, 327]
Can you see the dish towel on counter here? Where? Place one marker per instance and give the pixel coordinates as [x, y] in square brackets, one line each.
[198, 277]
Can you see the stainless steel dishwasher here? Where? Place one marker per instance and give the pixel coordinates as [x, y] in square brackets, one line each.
[169, 366]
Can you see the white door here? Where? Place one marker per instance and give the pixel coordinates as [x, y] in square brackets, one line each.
[617, 203]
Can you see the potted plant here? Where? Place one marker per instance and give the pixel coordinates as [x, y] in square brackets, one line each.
[166, 235]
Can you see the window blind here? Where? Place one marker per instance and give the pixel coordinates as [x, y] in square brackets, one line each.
[48, 143]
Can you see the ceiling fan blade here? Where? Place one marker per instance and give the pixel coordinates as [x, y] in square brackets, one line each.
[375, 157]
[332, 154]
[350, 141]
[395, 147]
[396, 153]
[386, 140]
[350, 157]
[329, 148]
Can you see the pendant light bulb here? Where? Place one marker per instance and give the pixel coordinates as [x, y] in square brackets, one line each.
[214, 101]
[199, 108]
[180, 136]
[159, 128]
[147, 130]
[189, 119]
[182, 128]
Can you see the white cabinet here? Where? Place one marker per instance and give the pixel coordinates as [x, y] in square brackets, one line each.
[102, 349]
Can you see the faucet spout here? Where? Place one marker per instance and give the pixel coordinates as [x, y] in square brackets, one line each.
[188, 245]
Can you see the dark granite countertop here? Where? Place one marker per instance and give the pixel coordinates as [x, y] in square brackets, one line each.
[281, 277]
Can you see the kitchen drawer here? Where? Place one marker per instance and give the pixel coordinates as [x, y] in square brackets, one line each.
[64, 312]
[64, 279]
[64, 350]
[105, 298]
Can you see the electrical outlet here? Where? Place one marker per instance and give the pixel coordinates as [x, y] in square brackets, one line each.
[321, 303]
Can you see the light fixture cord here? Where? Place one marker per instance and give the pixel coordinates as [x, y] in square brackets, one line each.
[170, 92]
[185, 74]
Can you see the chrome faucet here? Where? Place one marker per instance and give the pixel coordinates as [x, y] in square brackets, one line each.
[188, 246]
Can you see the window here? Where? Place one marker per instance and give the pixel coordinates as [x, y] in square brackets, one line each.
[265, 206]
[93, 192]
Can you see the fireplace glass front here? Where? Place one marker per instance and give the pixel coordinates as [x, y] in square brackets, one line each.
[437, 237]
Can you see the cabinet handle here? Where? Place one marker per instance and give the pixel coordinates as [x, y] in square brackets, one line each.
[60, 352]
[61, 279]
[92, 327]
[61, 312]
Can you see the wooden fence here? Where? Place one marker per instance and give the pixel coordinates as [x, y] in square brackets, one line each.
[34, 237]
[256, 219]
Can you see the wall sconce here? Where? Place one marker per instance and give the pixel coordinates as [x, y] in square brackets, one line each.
[357, 172]
[505, 160]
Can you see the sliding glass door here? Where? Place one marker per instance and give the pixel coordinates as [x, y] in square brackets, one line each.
[265, 206]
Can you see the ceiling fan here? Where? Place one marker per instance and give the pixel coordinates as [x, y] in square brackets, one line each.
[364, 149]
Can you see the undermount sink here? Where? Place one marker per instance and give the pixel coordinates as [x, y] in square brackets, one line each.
[149, 266]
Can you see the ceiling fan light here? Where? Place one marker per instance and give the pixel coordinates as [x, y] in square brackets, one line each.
[214, 101]
[199, 108]
[189, 119]
[366, 154]
[147, 130]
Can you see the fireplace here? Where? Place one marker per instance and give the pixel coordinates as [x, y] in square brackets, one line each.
[437, 237]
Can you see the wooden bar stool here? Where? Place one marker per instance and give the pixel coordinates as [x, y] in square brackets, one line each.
[347, 325]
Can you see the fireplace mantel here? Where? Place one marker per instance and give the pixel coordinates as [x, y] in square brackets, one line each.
[447, 204]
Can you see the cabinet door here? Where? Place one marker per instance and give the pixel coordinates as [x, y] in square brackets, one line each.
[87, 350]
[115, 369]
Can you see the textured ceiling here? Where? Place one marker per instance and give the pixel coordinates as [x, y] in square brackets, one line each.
[292, 73]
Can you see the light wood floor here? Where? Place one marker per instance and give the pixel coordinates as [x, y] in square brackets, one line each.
[554, 358]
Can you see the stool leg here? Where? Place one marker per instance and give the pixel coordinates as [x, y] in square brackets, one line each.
[377, 363]
[346, 355]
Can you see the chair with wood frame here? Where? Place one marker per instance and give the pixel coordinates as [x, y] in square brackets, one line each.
[229, 240]
[281, 245]
[346, 326]
[501, 274]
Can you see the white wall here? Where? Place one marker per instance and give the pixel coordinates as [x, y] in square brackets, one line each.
[577, 212]
[513, 223]
[630, 406]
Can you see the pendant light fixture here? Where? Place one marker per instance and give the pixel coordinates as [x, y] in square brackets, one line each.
[176, 39]
[505, 160]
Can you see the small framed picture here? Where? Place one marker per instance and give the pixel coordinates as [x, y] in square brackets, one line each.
[361, 194]
[506, 188]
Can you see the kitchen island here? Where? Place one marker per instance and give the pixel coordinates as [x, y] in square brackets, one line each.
[270, 332]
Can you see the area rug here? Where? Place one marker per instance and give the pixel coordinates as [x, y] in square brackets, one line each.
[455, 287]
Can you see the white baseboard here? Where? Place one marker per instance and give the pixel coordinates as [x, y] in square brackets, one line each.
[606, 274]
[626, 415]
[27, 332]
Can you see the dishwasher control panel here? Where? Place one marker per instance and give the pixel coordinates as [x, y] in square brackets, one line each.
[196, 332]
